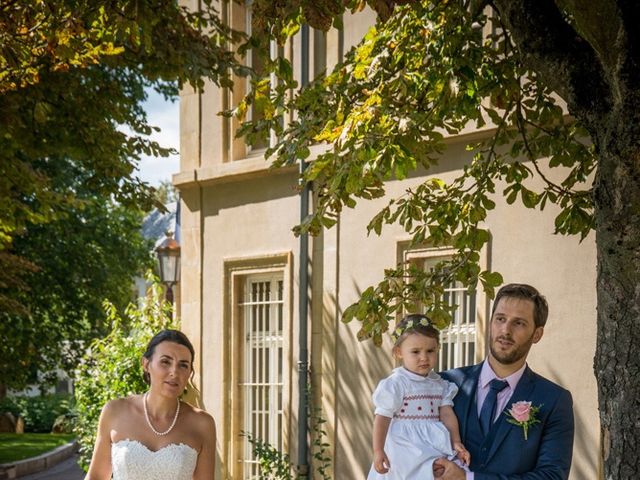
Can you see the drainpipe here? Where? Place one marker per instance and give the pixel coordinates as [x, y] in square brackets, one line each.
[303, 292]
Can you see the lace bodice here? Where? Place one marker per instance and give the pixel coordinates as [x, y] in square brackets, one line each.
[132, 460]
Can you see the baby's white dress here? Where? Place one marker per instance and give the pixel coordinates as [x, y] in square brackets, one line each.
[132, 460]
[416, 436]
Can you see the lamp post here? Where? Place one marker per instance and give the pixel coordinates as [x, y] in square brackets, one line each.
[168, 253]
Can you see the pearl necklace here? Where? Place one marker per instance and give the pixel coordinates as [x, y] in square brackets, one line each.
[146, 416]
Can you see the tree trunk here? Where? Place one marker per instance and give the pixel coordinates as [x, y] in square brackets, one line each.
[601, 89]
[617, 361]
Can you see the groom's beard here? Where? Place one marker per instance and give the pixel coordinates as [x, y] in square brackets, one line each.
[513, 356]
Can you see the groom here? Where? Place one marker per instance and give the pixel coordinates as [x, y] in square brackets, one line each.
[499, 449]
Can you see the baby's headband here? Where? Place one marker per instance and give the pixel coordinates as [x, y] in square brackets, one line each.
[420, 320]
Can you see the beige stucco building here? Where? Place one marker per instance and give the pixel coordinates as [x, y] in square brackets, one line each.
[240, 289]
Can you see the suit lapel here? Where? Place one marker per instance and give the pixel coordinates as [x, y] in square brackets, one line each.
[468, 388]
[523, 392]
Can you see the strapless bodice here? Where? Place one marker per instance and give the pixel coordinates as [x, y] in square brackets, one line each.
[132, 460]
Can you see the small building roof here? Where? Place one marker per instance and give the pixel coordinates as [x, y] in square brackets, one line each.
[156, 224]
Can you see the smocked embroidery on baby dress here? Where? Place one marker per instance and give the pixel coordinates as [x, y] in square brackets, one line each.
[132, 460]
[416, 436]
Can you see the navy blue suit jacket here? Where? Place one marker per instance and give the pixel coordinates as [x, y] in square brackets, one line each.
[504, 454]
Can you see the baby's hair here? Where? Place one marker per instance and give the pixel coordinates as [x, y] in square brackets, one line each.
[414, 323]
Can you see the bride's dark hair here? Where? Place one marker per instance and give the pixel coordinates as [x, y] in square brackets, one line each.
[168, 335]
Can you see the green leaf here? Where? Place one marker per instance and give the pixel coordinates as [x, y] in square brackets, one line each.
[529, 198]
[511, 193]
[491, 279]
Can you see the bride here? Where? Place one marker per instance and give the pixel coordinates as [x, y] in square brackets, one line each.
[155, 435]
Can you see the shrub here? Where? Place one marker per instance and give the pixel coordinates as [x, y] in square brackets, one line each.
[112, 366]
[277, 465]
[65, 423]
[40, 412]
[9, 404]
[273, 463]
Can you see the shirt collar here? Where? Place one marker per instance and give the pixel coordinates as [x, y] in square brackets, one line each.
[432, 375]
[487, 374]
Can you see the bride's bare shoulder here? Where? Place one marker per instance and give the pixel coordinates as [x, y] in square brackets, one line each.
[199, 419]
[119, 406]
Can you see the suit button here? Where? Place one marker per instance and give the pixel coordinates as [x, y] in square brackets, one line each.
[484, 449]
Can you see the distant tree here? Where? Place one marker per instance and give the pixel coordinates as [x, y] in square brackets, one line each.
[166, 192]
[517, 67]
[72, 79]
[90, 254]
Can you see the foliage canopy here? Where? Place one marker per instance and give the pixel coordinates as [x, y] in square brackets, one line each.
[90, 254]
[73, 77]
[425, 74]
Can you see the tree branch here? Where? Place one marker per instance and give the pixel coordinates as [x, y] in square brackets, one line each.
[629, 65]
[598, 23]
[550, 47]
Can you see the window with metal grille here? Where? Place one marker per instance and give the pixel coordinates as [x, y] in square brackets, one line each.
[262, 310]
[458, 342]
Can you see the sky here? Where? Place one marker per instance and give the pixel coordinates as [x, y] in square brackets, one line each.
[166, 115]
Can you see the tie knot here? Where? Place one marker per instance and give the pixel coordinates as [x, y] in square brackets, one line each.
[498, 385]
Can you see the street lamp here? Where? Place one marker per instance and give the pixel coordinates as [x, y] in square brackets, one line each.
[169, 261]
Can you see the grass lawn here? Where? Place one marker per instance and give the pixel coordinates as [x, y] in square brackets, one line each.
[15, 446]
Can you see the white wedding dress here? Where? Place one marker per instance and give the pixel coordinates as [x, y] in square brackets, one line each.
[132, 460]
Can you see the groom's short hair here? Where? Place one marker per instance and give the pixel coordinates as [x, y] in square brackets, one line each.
[525, 292]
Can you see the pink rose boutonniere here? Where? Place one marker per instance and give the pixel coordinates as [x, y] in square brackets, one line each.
[523, 414]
